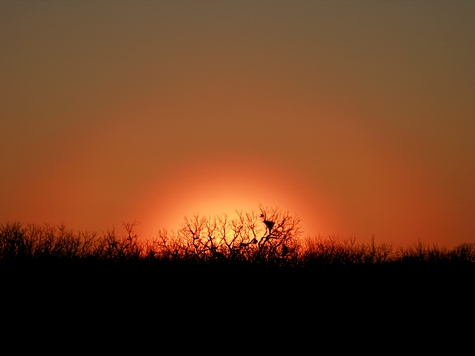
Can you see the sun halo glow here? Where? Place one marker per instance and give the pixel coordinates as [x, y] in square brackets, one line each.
[227, 187]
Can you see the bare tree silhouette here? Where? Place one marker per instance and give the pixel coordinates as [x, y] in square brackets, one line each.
[219, 238]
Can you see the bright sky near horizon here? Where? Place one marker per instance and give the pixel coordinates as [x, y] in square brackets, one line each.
[358, 116]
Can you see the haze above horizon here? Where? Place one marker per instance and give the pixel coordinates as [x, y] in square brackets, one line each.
[356, 115]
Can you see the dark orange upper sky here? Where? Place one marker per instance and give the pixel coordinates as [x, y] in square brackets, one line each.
[358, 116]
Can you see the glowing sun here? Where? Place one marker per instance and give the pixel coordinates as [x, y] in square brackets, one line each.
[210, 188]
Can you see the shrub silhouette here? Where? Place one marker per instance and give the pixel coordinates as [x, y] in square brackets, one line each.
[18, 242]
[42, 243]
[267, 238]
[220, 266]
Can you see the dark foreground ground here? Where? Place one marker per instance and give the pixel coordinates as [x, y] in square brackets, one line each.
[236, 305]
[258, 287]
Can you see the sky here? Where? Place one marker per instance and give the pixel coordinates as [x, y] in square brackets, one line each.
[356, 116]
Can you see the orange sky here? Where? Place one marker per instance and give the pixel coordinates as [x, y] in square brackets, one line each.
[356, 116]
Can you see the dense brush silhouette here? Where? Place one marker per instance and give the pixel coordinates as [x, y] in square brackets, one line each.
[275, 241]
[270, 241]
[257, 265]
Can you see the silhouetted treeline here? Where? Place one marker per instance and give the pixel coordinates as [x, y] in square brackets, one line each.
[216, 241]
[256, 258]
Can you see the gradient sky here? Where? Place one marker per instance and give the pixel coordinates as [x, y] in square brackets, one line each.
[357, 116]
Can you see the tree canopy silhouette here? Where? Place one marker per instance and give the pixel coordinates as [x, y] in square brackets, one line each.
[246, 238]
